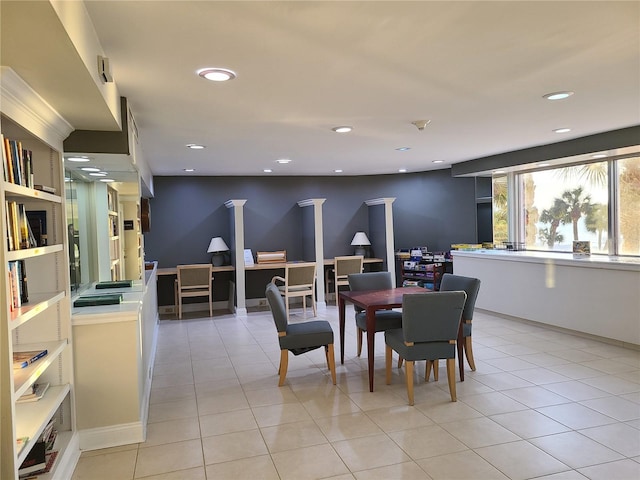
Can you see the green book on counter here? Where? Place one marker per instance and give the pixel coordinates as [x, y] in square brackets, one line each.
[114, 284]
[94, 300]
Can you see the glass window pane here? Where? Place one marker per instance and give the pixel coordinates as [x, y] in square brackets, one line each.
[500, 215]
[629, 206]
[566, 204]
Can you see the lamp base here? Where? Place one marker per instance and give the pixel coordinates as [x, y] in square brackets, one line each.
[217, 259]
[360, 251]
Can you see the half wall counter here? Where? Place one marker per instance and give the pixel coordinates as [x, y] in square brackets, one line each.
[597, 295]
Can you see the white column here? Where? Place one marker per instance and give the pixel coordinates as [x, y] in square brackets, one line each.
[319, 247]
[238, 249]
[388, 222]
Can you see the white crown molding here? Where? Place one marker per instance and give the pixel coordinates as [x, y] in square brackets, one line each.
[311, 201]
[380, 201]
[234, 203]
[25, 106]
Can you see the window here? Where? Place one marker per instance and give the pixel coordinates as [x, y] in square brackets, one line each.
[554, 207]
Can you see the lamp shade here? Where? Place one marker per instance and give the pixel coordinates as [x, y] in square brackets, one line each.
[217, 245]
[360, 238]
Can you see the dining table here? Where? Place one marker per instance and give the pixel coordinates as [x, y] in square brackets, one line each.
[371, 301]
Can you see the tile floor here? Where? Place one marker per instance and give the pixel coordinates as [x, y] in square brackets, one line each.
[542, 404]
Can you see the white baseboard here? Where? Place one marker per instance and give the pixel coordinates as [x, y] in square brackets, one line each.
[112, 436]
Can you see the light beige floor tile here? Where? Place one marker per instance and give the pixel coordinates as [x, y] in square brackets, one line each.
[378, 399]
[335, 404]
[160, 381]
[171, 394]
[344, 427]
[502, 381]
[576, 416]
[189, 474]
[271, 396]
[468, 387]
[233, 446]
[399, 470]
[293, 435]
[576, 390]
[622, 469]
[448, 411]
[106, 466]
[620, 437]
[369, 452]
[575, 450]
[320, 461]
[208, 405]
[493, 403]
[609, 366]
[613, 385]
[203, 374]
[544, 359]
[575, 371]
[227, 422]
[184, 408]
[399, 418]
[614, 407]
[219, 387]
[460, 466]
[521, 460]
[172, 431]
[576, 355]
[509, 364]
[529, 423]
[169, 458]
[534, 397]
[105, 451]
[568, 475]
[260, 467]
[479, 432]
[177, 369]
[429, 441]
[540, 376]
[271, 415]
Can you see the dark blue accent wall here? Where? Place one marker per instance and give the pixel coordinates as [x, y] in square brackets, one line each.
[431, 209]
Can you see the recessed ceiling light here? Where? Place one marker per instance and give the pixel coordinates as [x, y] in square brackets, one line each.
[342, 129]
[338, 170]
[403, 149]
[562, 130]
[77, 159]
[189, 169]
[107, 180]
[402, 170]
[599, 155]
[98, 174]
[195, 146]
[217, 74]
[267, 170]
[557, 95]
[283, 161]
[90, 169]
[438, 161]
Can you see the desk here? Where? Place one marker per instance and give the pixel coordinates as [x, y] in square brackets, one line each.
[174, 270]
[371, 301]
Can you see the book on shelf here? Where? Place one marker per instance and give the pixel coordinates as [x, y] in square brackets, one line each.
[45, 188]
[35, 460]
[17, 163]
[21, 442]
[38, 222]
[49, 463]
[17, 273]
[26, 358]
[36, 393]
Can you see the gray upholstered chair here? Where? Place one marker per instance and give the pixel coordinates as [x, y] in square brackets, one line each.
[299, 338]
[471, 287]
[429, 331]
[385, 319]
[299, 281]
[194, 281]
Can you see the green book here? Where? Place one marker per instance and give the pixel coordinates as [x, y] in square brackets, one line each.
[94, 300]
[114, 284]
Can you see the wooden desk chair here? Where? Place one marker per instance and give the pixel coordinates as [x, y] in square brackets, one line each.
[342, 268]
[194, 281]
[299, 281]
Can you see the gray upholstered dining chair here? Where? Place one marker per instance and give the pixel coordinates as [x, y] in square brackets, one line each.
[471, 287]
[429, 331]
[299, 338]
[385, 319]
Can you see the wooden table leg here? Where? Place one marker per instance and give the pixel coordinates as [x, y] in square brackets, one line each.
[460, 345]
[341, 308]
[371, 335]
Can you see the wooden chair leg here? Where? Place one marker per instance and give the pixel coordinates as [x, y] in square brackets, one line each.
[436, 367]
[284, 363]
[427, 370]
[313, 299]
[210, 306]
[468, 350]
[409, 374]
[399, 361]
[451, 377]
[387, 355]
[359, 335]
[332, 362]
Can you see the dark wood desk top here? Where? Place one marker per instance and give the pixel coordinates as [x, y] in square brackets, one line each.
[391, 298]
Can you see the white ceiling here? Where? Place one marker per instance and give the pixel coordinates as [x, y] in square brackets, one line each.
[476, 69]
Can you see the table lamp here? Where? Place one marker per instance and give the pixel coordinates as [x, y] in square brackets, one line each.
[360, 240]
[217, 247]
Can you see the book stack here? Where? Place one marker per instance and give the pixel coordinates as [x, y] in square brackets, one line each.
[36, 393]
[26, 358]
[42, 455]
[17, 283]
[17, 163]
